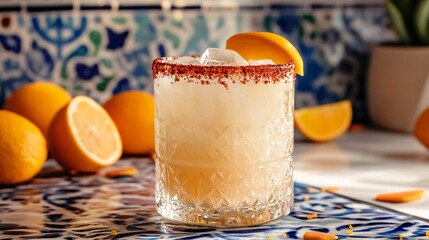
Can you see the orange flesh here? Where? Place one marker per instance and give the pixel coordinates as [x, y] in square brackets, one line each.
[324, 122]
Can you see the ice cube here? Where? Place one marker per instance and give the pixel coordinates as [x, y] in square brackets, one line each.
[261, 62]
[222, 57]
[187, 60]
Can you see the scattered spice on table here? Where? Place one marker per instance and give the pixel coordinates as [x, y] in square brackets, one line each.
[312, 216]
[329, 189]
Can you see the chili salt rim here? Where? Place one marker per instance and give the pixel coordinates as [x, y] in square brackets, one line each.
[206, 75]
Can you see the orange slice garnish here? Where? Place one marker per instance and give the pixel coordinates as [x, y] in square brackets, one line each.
[325, 122]
[266, 45]
[84, 137]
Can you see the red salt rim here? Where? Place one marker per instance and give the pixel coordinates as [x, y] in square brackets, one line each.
[206, 75]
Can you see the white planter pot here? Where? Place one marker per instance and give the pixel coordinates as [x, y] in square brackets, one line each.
[398, 86]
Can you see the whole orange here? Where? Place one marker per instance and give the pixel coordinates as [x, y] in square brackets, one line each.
[38, 102]
[22, 148]
[134, 115]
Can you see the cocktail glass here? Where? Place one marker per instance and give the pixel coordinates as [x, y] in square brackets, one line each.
[224, 142]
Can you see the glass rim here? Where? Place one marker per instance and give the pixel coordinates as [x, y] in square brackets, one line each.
[271, 73]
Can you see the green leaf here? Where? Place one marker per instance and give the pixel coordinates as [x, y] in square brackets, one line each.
[405, 7]
[422, 21]
[398, 21]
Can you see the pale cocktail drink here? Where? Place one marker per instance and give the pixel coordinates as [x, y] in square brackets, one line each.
[224, 142]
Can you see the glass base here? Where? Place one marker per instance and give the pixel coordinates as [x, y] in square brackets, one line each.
[222, 216]
[224, 196]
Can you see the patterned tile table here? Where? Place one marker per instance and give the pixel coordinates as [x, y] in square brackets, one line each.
[59, 206]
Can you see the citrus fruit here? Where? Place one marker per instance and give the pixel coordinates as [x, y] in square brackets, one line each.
[38, 102]
[421, 128]
[83, 137]
[22, 148]
[134, 115]
[325, 122]
[266, 45]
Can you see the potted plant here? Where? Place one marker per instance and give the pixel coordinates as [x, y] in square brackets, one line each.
[398, 80]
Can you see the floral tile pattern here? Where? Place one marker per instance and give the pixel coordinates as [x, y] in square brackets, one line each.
[60, 206]
[101, 53]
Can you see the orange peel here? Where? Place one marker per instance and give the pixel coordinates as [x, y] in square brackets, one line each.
[401, 197]
[266, 45]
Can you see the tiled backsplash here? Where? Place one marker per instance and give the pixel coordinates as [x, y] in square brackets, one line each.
[103, 52]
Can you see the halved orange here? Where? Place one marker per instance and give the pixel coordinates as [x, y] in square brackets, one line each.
[84, 138]
[421, 128]
[266, 45]
[325, 122]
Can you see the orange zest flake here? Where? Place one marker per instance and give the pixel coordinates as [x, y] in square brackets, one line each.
[270, 238]
[153, 156]
[319, 236]
[284, 234]
[350, 227]
[311, 190]
[401, 197]
[122, 172]
[113, 232]
[329, 189]
[401, 236]
[427, 233]
[350, 231]
[312, 216]
[306, 198]
[357, 127]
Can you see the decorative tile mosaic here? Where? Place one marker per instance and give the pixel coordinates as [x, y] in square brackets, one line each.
[55, 205]
[103, 52]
